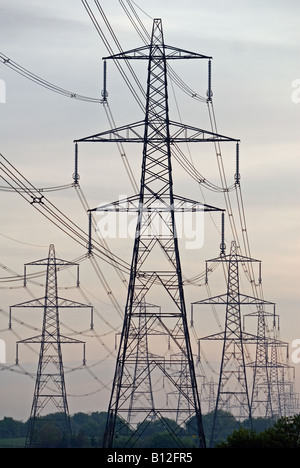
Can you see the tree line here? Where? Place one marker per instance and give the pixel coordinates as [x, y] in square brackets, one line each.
[88, 431]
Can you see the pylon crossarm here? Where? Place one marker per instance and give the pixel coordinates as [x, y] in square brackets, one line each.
[159, 204]
[236, 257]
[181, 133]
[50, 340]
[215, 336]
[61, 303]
[183, 204]
[68, 340]
[32, 340]
[223, 299]
[50, 365]
[40, 302]
[145, 52]
[135, 133]
[44, 261]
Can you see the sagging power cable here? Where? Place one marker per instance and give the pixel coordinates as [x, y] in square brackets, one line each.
[41, 82]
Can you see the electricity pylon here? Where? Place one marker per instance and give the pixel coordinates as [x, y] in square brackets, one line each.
[155, 264]
[142, 393]
[50, 388]
[233, 390]
[264, 385]
[280, 384]
[261, 402]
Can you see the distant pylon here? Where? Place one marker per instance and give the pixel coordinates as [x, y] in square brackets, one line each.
[50, 388]
[261, 398]
[208, 392]
[233, 390]
[261, 402]
[155, 264]
[211, 401]
[279, 380]
[142, 394]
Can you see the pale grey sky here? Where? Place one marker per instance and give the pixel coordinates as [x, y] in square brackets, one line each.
[255, 50]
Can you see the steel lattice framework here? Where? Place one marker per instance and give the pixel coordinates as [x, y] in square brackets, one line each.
[233, 392]
[50, 388]
[133, 404]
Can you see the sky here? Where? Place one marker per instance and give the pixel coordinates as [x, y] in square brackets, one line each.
[255, 81]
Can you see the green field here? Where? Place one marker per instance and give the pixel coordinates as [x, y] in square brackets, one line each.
[17, 442]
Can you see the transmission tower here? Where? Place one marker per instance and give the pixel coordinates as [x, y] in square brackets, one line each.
[272, 388]
[142, 393]
[280, 382]
[261, 402]
[50, 388]
[264, 385]
[208, 393]
[155, 266]
[233, 390]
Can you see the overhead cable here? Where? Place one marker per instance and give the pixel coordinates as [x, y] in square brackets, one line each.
[41, 82]
[17, 181]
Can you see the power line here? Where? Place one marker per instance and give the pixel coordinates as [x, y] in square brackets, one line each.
[143, 11]
[17, 181]
[110, 50]
[41, 82]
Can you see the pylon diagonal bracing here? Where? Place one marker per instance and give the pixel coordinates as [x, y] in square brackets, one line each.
[155, 349]
[50, 387]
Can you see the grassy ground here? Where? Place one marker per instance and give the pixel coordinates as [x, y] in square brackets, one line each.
[13, 442]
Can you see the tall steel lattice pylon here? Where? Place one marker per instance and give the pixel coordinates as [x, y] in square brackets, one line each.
[233, 393]
[155, 347]
[263, 388]
[50, 389]
[261, 402]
